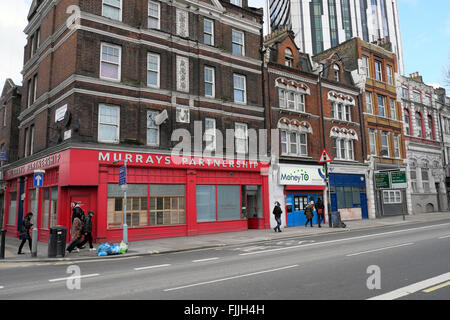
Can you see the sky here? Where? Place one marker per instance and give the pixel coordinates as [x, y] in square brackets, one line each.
[425, 28]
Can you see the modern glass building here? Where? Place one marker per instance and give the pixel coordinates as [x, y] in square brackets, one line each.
[321, 24]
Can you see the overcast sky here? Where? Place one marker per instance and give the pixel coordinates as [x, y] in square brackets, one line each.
[425, 27]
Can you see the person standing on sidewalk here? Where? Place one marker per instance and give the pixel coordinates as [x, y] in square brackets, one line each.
[320, 213]
[87, 229]
[309, 213]
[24, 234]
[277, 213]
[76, 235]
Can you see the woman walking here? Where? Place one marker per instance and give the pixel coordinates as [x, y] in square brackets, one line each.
[24, 234]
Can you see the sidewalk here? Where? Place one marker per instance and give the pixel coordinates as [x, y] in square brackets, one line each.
[147, 247]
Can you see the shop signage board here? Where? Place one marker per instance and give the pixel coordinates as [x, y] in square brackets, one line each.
[393, 179]
[398, 179]
[382, 180]
[302, 175]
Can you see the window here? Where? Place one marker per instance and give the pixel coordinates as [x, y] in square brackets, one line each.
[405, 94]
[239, 85]
[282, 98]
[27, 142]
[35, 87]
[397, 146]
[416, 96]
[407, 121]
[385, 144]
[425, 179]
[378, 72]
[419, 124]
[153, 69]
[154, 15]
[393, 109]
[5, 110]
[413, 176]
[288, 58]
[294, 143]
[30, 93]
[108, 124]
[390, 77]
[343, 149]
[381, 106]
[336, 70]
[218, 203]
[291, 100]
[284, 142]
[373, 142]
[349, 197]
[365, 65]
[241, 138]
[238, 42]
[110, 62]
[236, 2]
[31, 140]
[210, 134]
[208, 32]
[427, 100]
[12, 208]
[369, 105]
[209, 82]
[152, 129]
[112, 9]
[392, 197]
[167, 205]
[430, 132]
[348, 113]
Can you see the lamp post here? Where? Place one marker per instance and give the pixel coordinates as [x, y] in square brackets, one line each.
[124, 186]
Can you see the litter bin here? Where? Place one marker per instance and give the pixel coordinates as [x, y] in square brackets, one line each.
[336, 219]
[57, 242]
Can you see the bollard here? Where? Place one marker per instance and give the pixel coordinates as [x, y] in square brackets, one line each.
[2, 244]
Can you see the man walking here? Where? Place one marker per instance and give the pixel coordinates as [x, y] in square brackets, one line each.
[87, 229]
[277, 213]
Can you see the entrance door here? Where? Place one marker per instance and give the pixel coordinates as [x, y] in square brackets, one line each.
[296, 204]
[84, 201]
[252, 211]
[364, 211]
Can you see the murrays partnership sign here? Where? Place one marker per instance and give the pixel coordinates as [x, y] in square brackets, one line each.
[300, 175]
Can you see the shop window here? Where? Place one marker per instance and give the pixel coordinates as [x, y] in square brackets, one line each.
[45, 208]
[12, 208]
[49, 207]
[228, 203]
[348, 197]
[392, 197]
[32, 201]
[206, 203]
[53, 206]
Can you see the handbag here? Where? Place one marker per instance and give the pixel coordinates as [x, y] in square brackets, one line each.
[23, 235]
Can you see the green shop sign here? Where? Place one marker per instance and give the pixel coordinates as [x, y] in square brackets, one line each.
[382, 180]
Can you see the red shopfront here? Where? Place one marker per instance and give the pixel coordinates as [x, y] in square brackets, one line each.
[166, 196]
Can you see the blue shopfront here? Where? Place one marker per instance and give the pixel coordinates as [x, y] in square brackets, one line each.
[348, 195]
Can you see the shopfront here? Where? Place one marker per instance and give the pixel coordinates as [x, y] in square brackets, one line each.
[166, 196]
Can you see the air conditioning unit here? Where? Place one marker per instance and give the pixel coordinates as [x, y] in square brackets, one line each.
[183, 115]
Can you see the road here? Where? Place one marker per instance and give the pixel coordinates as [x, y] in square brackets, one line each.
[401, 263]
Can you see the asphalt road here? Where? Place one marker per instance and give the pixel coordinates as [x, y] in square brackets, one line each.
[403, 262]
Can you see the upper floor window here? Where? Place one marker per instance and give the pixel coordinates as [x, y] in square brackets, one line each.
[385, 150]
[294, 143]
[209, 82]
[241, 138]
[288, 58]
[5, 110]
[407, 122]
[340, 111]
[336, 71]
[430, 132]
[110, 61]
[152, 129]
[381, 106]
[393, 105]
[112, 9]
[378, 71]
[210, 134]
[373, 142]
[291, 100]
[397, 153]
[236, 2]
[369, 105]
[108, 123]
[419, 124]
[416, 96]
[427, 100]
[153, 70]
[154, 15]
[390, 75]
[238, 42]
[405, 94]
[365, 65]
[239, 88]
[208, 32]
[343, 149]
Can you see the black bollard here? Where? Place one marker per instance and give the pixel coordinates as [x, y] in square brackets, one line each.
[2, 244]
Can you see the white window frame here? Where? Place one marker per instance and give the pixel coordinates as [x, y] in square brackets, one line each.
[405, 92]
[244, 90]
[397, 151]
[365, 65]
[157, 71]
[158, 18]
[378, 70]
[344, 149]
[210, 134]
[35, 87]
[119, 65]
[212, 83]
[30, 92]
[288, 57]
[418, 124]
[336, 72]
[392, 197]
[383, 146]
[407, 116]
[282, 98]
[236, 2]
[152, 113]
[425, 183]
[288, 142]
[348, 112]
[205, 21]
[109, 5]
[369, 106]
[416, 96]
[383, 98]
[117, 140]
[240, 44]
[390, 75]
[238, 138]
[373, 142]
[393, 107]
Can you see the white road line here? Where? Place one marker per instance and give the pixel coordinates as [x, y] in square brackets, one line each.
[231, 278]
[402, 292]
[75, 277]
[203, 260]
[444, 237]
[375, 250]
[152, 267]
[2, 287]
[342, 240]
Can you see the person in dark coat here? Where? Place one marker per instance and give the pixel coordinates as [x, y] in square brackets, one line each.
[77, 212]
[277, 213]
[24, 234]
[76, 235]
[309, 213]
[320, 213]
[87, 230]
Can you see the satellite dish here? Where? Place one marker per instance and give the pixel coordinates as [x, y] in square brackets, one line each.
[160, 118]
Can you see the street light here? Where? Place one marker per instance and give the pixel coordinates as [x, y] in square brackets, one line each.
[327, 178]
[124, 186]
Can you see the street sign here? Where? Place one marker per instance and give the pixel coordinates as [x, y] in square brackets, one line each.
[38, 180]
[122, 176]
[3, 155]
[325, 157]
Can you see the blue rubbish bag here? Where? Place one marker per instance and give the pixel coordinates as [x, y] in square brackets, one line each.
[115, 249]
[104, 249]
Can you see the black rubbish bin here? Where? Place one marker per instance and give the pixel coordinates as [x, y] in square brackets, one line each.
[336, 220]
[57, 242]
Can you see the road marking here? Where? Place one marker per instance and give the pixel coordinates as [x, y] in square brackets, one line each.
[204, 260]
[2, 287]
[375, 250]
[231, 278]
[399, 293]
[444, 237]
[152, 267]
[342, 240]
[74, 277]
[437, 287]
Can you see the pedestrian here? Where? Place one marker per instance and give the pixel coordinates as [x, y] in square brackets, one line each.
[24, 234]
[320, 213]
[77, 212]
[309, 213]
[277, 213]
[87, 231]
[76, 235]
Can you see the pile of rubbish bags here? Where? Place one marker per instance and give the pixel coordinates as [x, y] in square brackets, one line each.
[108, 249]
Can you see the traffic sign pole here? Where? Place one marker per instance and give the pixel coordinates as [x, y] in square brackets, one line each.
[38, 182]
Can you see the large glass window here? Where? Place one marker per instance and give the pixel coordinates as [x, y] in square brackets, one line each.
[206, 203]
[349, 197]
[378, 71]
[241, 138]
[167, 205]
[12, 208]
[390, 75]
[385, 144]
[228, 200]
[381, 106]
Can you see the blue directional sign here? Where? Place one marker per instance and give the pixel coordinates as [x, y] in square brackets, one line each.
[3, 155]
[122, 176]
[38, 180]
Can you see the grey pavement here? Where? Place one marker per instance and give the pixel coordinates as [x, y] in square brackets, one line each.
[166, 245]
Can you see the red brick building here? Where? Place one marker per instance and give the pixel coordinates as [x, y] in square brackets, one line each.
[108, 81]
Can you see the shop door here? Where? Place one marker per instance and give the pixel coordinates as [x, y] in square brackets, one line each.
[20, 199]
[296, 204]
[364, 211]
[84, 203]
